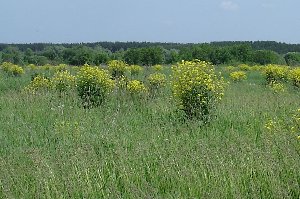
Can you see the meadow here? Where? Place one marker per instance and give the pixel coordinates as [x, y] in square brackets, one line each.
[143, 147]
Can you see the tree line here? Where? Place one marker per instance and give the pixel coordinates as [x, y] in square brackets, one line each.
[147, 53]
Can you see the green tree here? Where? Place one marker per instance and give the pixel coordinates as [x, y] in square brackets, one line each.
[13, 55]
[292, 58]
[132, 56]
[264, 57]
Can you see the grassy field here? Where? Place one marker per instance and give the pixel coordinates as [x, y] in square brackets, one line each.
[51, 147]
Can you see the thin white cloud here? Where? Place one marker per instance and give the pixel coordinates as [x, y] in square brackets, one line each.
[229, 5]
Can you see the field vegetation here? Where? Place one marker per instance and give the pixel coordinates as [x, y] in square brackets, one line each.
[190, 130]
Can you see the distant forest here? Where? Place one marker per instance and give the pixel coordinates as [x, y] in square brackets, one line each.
[151, 53]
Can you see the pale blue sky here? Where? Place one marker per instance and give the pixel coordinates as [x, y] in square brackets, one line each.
[62, 21]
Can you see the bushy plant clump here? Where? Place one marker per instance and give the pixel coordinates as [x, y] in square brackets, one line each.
[63, 81]
[135, 70]
[12, 69]
[244, 67]
[275, 73]
[238, 76]
[93, 85]
[39, 83]
[117, 68]
[157, 68]
[136, 87]
[294, 76]
[197, 88]
[157, 81]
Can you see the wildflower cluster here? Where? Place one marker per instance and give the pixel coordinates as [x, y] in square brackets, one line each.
[257, 68]
[197, 88]
[157, 68]
[135, 69]
[60, 67]
[157, 80]
[238, 76]
[244, 67]
[275, 73]
[93, 85]
[271, 125]
[136, 87]
[39, 84]
[63, 81]
[12, 69]
[276, 87]
[295, 76]
[117, 68]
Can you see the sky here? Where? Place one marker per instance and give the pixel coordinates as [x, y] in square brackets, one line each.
[182, 21]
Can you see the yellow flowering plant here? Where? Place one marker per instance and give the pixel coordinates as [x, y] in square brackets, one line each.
[238, 76]
[117, 68]
[135, 70]
[197, 88]
[39, 83]
[294, 76]
[93, 85]
[12, 69]
[157, 68]
[136, 88]
[157, 80]
[63, 81]
[276, 87]
[275, 73]
[244, 67]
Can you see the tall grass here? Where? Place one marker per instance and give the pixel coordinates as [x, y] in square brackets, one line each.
[53, 148]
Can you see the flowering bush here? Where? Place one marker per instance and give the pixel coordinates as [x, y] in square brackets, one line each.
[136, 87]
[276, 87]
[157, 80]
[244, 67]
[197, 88]
[157, 68]
[238, 76]
[93, 85]
[12, 69]
[275, 73]
[117, 68]
[63, 81]
[135, 69]
[60, 67]
[39, 84]
[257, 68]
[46, 67]
[295, 76]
